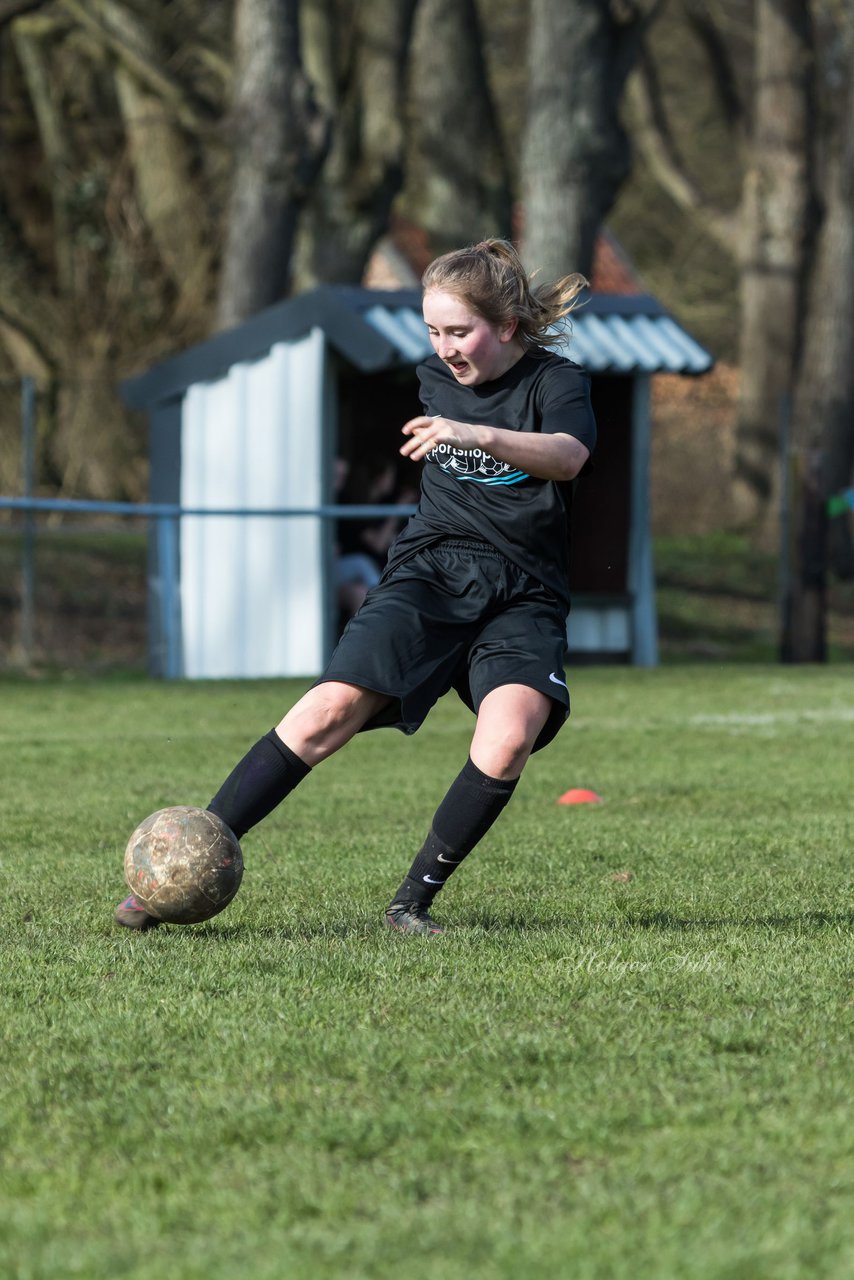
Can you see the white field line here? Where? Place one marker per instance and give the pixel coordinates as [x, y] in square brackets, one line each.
[826, 715]
[732, 720]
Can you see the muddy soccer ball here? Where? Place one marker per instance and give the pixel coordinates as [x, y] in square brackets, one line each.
[183, 865]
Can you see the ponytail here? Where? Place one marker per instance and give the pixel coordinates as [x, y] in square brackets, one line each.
[491, 278]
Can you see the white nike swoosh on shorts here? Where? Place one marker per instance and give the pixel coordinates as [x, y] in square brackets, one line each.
[556, 680]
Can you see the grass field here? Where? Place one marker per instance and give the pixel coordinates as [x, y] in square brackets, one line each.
[632, 1056]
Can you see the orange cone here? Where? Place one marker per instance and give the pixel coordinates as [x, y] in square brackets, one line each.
[580, 795]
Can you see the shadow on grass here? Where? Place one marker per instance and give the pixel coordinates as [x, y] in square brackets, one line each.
[665, 921]
[214, 934]
[512, 924]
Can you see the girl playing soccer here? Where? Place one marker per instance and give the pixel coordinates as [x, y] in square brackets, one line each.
[475, 593]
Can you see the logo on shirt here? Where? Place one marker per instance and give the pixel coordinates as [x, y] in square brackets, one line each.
[474, 464]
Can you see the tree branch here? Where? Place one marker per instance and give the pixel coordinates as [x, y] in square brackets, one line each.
[654, 137]
[122, 32]
[632, 21]
[36, 315]
[12, 9]
[708, 34]
[22, 345]
[31, 56]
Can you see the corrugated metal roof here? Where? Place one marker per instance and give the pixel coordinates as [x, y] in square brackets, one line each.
[404, 329]
[374, 329]
[604, 336]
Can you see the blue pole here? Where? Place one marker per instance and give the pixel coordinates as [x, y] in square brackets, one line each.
[143, 509]
[166, 597]
[167, 564]
[28, 573]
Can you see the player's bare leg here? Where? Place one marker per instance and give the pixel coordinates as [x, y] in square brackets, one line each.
[327, 717]
[508, 724]
[324, 719]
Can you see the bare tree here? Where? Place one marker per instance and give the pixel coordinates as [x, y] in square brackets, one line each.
[769, 234]
[457, 184]
[357, 55]
[822, 456]
[28, 38]
[654, 140]
[576, 153]
[279, 138]
[776, 243]
[161, 117]
[105, 241]
[795, 242]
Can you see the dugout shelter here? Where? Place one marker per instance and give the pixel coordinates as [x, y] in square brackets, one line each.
[252, 420]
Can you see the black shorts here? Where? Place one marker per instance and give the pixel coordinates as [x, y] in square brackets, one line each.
[457, 615]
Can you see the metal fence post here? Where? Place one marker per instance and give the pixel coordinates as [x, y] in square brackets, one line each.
[170, 619]
[28, 573]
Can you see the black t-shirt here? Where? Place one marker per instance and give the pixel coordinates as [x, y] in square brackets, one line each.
[466, 493]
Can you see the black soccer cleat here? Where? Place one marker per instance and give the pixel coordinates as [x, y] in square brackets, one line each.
[133, 916]
[412, 918]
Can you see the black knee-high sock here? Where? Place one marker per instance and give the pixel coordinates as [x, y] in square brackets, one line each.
[463, 818]
[267, 773]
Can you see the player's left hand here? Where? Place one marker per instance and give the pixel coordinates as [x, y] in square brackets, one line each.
[425, 433]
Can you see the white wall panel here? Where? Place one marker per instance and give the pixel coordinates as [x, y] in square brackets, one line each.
[252, 586]
[599, 629]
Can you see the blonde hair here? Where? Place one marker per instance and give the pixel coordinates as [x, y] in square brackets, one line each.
[490, 277]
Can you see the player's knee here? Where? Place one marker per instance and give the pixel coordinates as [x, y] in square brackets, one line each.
[517, 752]
[325, 718]
[504, 755]
[319, 723]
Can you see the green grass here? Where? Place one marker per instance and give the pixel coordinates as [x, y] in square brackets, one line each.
[587, 1077]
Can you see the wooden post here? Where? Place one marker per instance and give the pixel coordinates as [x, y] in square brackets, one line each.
[804, 636]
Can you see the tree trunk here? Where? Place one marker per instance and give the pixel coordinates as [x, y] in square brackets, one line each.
[575, 152]
[279, 139]
[804, 625]
[823, 420]
[457, 184]
[776, 209]
[361, 75]
[832, 317]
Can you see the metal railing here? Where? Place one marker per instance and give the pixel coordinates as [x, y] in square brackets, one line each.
[166, 517]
